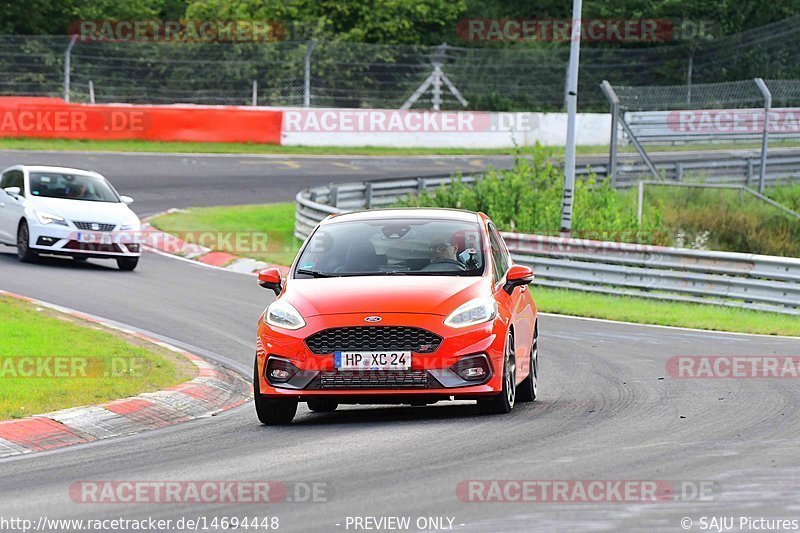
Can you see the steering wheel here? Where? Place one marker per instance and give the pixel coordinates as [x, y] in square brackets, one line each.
[445, 262]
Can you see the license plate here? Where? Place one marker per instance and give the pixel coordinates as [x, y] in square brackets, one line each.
[388, 360]
[94, 238]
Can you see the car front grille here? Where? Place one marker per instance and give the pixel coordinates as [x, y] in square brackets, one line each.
[405, 379]
[373, 338]
[94, 226]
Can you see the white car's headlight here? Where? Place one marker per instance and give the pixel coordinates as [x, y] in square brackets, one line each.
[473, 312]
[47, 218]
[132, 225]
[282, 314]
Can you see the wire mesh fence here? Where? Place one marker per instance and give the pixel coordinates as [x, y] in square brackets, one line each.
[339, 74]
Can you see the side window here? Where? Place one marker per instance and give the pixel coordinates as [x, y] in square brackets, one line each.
[18, 180]
[497, 255]
[13, 178]
[499, 248]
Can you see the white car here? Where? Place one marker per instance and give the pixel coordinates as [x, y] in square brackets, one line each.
[66, 211]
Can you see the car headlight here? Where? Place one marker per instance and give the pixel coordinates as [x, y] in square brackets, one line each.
[134, 224]
[475, 311]
[47, 218]
[282, 314]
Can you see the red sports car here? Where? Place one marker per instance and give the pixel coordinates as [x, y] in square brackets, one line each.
[406, 306]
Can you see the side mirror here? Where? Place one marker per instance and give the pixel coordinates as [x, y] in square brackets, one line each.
[13, 191]
[270, 278]
[516, 276]
[127, 200]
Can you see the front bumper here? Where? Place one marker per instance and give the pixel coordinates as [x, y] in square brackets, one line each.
[64, 240]
[431, 375]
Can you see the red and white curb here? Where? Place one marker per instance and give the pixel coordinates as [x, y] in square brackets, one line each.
[172, 245]
[215, 389]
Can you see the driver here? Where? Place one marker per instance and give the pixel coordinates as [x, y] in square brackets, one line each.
[77, 191]
[443, 248]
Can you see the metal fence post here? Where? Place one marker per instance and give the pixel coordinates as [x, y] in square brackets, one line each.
[767, 106]
[67, 61]
[679, 172]
[333, 195]
[640, 203]
[368, 195]
[91, 92]
[255, 93]
[613, 101]
[307, 74]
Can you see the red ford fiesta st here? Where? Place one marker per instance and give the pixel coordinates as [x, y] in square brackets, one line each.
[406, 306]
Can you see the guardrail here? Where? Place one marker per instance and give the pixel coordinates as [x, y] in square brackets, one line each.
[730, 169]
[723, 278]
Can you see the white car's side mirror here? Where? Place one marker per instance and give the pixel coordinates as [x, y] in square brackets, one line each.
[13, 191]
[127, 200]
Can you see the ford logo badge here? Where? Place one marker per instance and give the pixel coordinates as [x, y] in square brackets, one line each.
[372, 319]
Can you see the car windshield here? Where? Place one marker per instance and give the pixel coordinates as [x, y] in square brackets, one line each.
[415, 247]
[72, 187]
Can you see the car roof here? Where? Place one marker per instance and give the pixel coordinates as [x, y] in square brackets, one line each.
[61, 170]
[410, 212]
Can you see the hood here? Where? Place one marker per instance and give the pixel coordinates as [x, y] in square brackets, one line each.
[436, 295]
[105, 212]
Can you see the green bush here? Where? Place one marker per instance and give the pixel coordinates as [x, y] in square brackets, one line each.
[527, 198]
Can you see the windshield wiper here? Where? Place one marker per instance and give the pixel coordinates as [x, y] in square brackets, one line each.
[313, 273]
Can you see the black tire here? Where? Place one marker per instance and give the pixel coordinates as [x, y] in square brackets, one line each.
[503, 403]
[127, 264]
[528, 389]
[272, 412]
[321, 405]
[24, 252]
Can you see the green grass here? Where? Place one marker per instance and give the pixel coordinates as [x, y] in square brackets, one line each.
[251, 148]
[217, 227]
[99, 364]
[646, 311]
[277, 220]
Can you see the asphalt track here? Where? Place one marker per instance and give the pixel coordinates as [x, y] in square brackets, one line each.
[608, 411]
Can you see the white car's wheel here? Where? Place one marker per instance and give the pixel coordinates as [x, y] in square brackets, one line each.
[24, 252]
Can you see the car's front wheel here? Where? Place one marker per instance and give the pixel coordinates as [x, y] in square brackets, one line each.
[24, 252]
[504, 402]
[272, 412]
[127, 264]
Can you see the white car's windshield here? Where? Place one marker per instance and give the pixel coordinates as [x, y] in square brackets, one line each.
[71, 187]
[415, 247]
